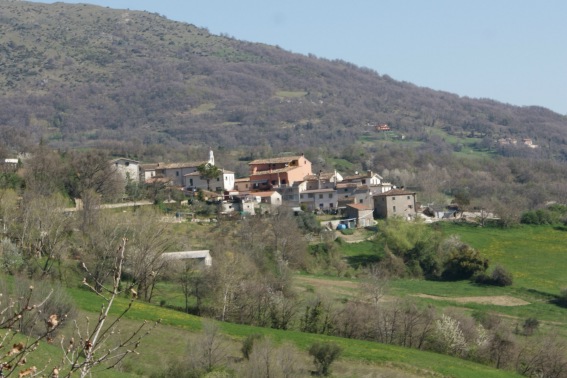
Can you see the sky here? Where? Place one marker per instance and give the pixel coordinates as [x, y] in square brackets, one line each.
[512, 51]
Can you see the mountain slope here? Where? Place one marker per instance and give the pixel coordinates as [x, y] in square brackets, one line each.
[81, 75]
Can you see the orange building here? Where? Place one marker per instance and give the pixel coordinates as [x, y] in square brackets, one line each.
[266, 174]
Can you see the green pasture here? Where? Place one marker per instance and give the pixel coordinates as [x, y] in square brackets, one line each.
[170, 339]
[536, 255]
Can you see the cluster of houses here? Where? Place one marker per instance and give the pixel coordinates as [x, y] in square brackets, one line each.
[282, 181]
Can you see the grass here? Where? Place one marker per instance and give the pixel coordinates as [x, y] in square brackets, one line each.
[536, 255]
[170, 340]
[538, 276]
[291, 94]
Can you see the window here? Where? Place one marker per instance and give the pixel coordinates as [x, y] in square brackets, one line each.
[176, 173]
[364, 181]
[330, 205]
[127, 163]
[310, 195]
[360, 200]
[408, 197]
[394, 209]
[330, 195]
[191, 182]
[410, 206]
[273, 182]
[393, 198]
[283, 182]
[320, 196]
[218, 178]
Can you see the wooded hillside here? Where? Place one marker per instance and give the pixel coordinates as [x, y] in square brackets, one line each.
[81, 75]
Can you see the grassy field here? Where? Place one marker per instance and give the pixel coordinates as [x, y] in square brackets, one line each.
[533, 254]
[536, 255]
[170, 339]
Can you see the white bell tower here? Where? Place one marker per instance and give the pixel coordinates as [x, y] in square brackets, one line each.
[211, 157]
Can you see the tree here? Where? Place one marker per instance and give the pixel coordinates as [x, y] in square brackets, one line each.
[324, 354]
[414, 242]
[149, 238]
[209, 172]
[84, 350]
[208, 352]
[463, 263]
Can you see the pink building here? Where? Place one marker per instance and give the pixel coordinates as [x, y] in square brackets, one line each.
[266, 174]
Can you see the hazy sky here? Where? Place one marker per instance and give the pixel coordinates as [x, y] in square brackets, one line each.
[514, 51]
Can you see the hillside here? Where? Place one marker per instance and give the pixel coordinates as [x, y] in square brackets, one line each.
[81, 75]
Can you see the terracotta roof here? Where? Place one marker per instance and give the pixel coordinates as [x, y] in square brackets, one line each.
[359, 206]
[396, 192]
[191, 164]
[362, 176]
[244, 179]
[197, 173]
[263, 194]
[280, 170]
[149, 166]
[283, 159]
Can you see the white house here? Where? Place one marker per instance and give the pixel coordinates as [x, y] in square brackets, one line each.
[225, 182]
[128, 169]
[322, 199]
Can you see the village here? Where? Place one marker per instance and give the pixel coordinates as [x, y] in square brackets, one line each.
[281, 181]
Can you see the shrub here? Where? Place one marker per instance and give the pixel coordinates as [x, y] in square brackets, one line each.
[501, 277]
[529, 326]
[464, 263]
[324, 354]
[498, 277]
[562, 298]
[248, 344]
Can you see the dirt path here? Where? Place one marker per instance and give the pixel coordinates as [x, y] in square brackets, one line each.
[499, 300]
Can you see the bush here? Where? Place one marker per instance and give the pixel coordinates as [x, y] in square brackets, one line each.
[498, 277]
[248, 344]
[501, 277]
[562, 298]
[324, 354]
[464, 263]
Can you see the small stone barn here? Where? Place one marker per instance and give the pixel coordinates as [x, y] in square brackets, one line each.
[362, 213]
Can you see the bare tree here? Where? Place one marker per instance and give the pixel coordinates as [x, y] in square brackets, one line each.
[92, 347]
[87, 349]
[149, 238]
